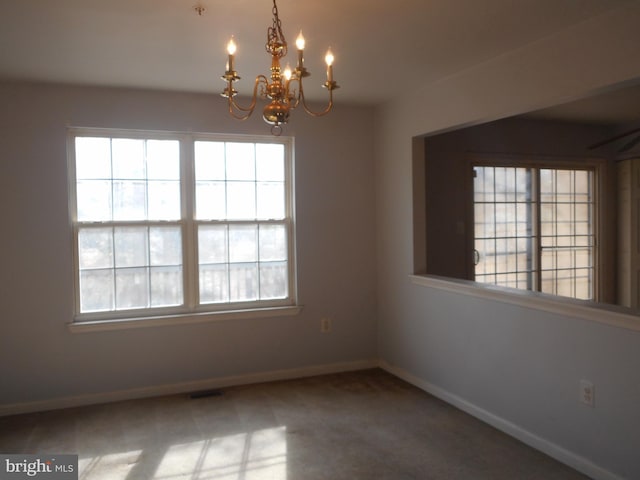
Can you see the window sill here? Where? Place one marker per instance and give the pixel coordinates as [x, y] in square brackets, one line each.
[612, 315]
[183, 319]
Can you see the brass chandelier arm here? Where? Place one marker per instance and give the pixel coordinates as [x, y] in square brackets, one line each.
[311, 112]
[235, 105]
[232, 104]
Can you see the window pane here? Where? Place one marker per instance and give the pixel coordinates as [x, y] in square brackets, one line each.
[270, 162]
[273, 280]
[547, 182]
[547, 218]
[479, 220]
[240, 161]
[129, 200]
[241, 200]
[132, 247]
[165, 245]
[480, 191]
[564, 287]
[164, 200]
[211, 203]
[564, 258]
[583, 284]
[270, 201]
[243, 281]
[166, 286]
[94, 200]
[584, 258]
[96, 290]
[564, 217]
[523, 184]
[500, 184]
[132, 289]
[523, 219]
[95, 248]
[548, 260]
[93, 158]
[273, 243]
[212, 244]
[243, 243]
[525, 252]
[163, 159]
[128, 159]
[501, 255]
[209, 161]
[214, 283]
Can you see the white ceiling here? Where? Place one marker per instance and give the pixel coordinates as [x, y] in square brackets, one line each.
[382, 48]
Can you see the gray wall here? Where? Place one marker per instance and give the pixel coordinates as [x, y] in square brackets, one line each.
[519, 366]
[41, 360]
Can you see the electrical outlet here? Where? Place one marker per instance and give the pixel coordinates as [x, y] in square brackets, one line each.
[587, 393]
[325, 325]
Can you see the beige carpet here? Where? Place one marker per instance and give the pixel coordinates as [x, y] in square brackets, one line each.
[363, 425]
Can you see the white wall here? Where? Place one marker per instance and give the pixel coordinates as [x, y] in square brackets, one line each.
[518, 367]
[41, 361]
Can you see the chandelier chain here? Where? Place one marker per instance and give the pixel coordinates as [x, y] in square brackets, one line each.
[276, 44]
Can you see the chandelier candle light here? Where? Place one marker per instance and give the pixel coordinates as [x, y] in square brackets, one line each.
[279, 87]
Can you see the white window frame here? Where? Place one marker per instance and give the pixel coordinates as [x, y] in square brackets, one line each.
[191, 311]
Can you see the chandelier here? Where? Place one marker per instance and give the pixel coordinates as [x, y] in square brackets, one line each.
[283, 88]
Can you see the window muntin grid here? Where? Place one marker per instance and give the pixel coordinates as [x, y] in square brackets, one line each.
[129, 267]
[138, 198]
[567, 233]
[241, 221]
[503, 235]
[533, 229]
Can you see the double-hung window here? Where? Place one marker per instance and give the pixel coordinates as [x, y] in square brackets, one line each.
[169, 224]
[534, 229]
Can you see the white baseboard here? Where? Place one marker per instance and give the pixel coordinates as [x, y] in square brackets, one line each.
[561, 454]
[184, 387]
